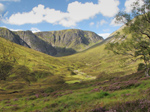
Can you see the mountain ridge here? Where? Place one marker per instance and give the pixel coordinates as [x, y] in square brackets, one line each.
[55, 43]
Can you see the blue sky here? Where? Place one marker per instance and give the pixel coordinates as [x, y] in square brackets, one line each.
[50, 15]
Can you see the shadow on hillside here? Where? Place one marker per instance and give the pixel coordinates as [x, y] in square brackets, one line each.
[69, 51]
[98, 44]
[64, 51]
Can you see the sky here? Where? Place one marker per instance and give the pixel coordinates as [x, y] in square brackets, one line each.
[51, 15]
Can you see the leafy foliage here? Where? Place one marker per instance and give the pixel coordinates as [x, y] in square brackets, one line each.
[138, 46]
[7, 60]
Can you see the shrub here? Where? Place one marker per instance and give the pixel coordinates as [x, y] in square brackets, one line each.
[41, 74]
[121, 85]
[54, 80]
[141, 66]
[101, 94]
[23, 72]
[132, 106]
[98, 110]
[49, 90]
[5, 69]
[16, 86]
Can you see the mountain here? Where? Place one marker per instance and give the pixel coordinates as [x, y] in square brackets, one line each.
[55, 43]
[28, 39]
[40, 82]
[9, 35]
[73, 39]
[36, 43]
[111, 37]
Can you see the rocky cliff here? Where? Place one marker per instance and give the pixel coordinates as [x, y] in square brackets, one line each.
[55, 43]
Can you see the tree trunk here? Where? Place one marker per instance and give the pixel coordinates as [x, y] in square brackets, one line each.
[147, 72]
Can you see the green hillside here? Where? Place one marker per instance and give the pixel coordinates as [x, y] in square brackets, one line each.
[54, 43]
[93, 80]
[70, 41]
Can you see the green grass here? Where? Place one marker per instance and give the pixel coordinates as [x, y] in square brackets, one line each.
[79, 99]
[81, 91]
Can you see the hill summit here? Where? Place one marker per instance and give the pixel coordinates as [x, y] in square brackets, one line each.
[55, 43]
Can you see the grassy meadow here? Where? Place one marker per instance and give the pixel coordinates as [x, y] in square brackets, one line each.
[94, 80]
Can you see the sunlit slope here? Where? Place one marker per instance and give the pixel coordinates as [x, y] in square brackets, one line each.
[86, 65]
[54, 43]
[37, 61]
[44, 72]
[99, 61]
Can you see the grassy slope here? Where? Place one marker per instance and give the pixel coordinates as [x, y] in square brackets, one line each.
[37, 61]
[98, 61]
[84, 96]
[33, 57]
[72, 40]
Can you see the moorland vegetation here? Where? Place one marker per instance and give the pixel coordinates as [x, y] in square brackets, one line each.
[94, 80]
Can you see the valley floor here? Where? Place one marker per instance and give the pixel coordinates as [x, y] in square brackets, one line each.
[128, 93]
[89, 81]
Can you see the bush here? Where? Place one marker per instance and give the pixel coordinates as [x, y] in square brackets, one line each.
[41, 74]
[101, 94]
[54, 80]
[122, 85]
[5, 69]
[49, 90]
[141, 66]
[16, 86]
[100, 109]
[132, 106]
[23, 72]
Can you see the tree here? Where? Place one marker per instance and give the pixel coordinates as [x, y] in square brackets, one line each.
[9, 64]
[7, 60]
[138, 26]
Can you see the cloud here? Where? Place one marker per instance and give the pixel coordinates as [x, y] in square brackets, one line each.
[100, 23]
[104, 35]
[76, 12]
[37, 15]
[129, 7]
[116, 23]
[10, 0]
[109, 8]
[2, 8]
[11, 28]
[16, 30]
[92, 23]
[34, 30]
[103, 22]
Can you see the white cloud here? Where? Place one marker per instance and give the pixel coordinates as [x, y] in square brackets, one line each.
[116, 23]
[109, 8]
[104, 35]
[100, 23]
[37, 15]
[11, 28]
[2, 8]
[103, 22]
[76, 12]
[92, 23]
[34, 30]
[129, 7]
[15, 29]
[10, 0]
